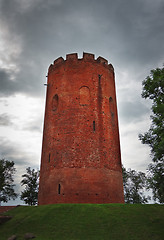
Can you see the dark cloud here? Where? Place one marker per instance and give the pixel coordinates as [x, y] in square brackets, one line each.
[26, 81]
[7, 85]
[129, 33]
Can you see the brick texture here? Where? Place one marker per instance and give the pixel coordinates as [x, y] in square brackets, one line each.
[81, 160]
[4, 209]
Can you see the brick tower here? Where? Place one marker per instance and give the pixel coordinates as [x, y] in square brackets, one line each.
[81, 160]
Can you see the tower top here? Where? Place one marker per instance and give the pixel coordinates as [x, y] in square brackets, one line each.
[81, 159]
[87, 57]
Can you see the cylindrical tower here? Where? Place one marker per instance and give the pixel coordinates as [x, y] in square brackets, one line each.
[81, 160]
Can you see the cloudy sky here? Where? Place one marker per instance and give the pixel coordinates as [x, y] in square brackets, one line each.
[33, 33]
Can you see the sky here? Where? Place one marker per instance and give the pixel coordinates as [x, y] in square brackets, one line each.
[33, 33]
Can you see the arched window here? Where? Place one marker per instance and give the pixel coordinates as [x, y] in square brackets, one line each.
[55, 101]
[84, 96]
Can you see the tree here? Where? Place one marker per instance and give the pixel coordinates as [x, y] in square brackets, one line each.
[31, 182]
[7, 171]
[134, 185]
[156, 181]
[153, 88]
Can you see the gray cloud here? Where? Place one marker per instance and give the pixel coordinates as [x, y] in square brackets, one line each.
[34, 126]
[129, 33]
[13, 152]
[7, 85]
[5, 120]
[132, 111]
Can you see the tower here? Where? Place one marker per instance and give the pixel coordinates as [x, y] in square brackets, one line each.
[81, 160]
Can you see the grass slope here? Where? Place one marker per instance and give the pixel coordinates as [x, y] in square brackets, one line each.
[87, 222]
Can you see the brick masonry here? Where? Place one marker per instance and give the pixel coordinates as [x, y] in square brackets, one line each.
[81, 161]
[4, 209]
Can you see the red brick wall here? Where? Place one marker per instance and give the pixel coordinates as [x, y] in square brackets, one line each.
[4, 209]
[81, 160]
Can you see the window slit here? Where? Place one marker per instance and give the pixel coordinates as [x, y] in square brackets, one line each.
[59, 189]
[49, 156]
[94, 126]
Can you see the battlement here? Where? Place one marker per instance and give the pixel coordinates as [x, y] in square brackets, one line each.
[87, 57]
[58, 60]
[81, 159]
[71, 56]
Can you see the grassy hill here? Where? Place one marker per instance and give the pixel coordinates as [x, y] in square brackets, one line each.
[86, 221]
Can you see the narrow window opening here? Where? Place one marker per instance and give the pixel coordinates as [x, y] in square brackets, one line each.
[99, 75]
[94, 126]
[59, 189]
[49, 156]
[111, 106]
[55, 101]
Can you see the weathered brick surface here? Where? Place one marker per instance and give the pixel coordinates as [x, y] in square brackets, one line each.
[81, 160]
[4, 209]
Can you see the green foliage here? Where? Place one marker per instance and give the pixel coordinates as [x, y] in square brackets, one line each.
[156, 181]
[31, 182]
[134, 185]
[7, 171]
[86, 221]
[153, 88]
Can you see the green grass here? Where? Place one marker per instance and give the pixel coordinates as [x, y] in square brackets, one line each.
[87, 222]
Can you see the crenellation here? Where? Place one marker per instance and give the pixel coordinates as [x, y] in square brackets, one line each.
[111, 68]
[58, 61]
[81, 160]
[51, 67]
[88, 56]
[72, 56]
[102, 60]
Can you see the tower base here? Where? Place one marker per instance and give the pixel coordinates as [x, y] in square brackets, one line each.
[83, 185]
